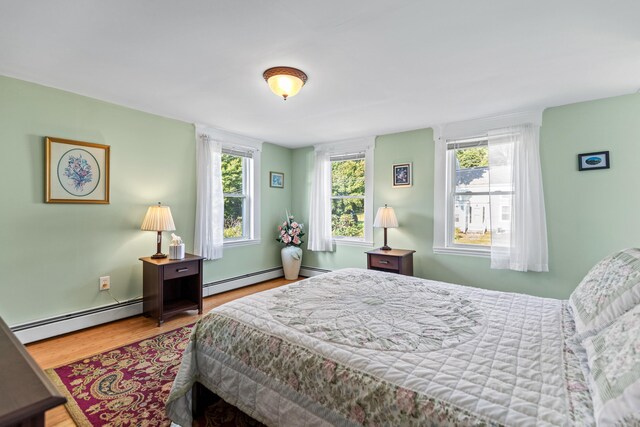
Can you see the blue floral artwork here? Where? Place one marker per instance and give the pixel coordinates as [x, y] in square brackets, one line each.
[78, 171]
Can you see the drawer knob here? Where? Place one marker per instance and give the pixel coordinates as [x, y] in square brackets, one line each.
[382, 261]
[181, 270]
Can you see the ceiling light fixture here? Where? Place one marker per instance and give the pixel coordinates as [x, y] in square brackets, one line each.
[285, 81]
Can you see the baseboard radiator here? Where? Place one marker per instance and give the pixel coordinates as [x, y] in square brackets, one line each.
[62, 324]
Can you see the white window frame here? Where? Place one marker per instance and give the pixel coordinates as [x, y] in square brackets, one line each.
[444, 176]
[252, 150]
[353, 146]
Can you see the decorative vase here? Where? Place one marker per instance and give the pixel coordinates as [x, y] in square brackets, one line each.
[291, 260]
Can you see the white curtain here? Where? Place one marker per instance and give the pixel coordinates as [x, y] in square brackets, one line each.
[518, 220]
[320, 209]
[209, 198]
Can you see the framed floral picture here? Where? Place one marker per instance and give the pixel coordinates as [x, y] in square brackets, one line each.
[276, 179]
[76, 172]
[402, 175]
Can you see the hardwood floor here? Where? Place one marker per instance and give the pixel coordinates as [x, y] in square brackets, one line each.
[64, 349]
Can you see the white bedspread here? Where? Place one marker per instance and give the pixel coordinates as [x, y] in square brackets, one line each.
[427, 350]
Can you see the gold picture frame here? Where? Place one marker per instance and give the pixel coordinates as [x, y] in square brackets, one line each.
[76, 171]
[276, 179]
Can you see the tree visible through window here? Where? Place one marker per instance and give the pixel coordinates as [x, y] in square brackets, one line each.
[347, 196]
[234, 185]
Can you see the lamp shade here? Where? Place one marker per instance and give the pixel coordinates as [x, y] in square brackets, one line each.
[285, 81]
[385, 218]
[158, 218]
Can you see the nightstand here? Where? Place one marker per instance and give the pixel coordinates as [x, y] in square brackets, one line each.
[398, 261]
[171, 286]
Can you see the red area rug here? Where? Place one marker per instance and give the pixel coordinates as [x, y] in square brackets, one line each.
[129, 385]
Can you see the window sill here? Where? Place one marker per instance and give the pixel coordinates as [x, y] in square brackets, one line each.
[347, 242]
[240, 242]
[482, 253]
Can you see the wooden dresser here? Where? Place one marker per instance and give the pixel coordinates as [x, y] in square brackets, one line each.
[25, 391]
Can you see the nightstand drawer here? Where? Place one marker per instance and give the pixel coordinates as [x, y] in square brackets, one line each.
[391, 260]
[382, 261]
[173, 271]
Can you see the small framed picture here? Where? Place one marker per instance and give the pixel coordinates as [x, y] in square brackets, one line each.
[591, 161]
[402, 175]
[276, 179]
[76, 172]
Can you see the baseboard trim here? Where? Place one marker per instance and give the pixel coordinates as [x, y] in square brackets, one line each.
[224, 285]
[307, 271]
[58, 325]
[70, 322]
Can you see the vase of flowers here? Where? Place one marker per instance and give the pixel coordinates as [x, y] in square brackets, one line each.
[290, 233]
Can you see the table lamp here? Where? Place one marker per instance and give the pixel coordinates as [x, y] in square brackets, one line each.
[158, 218]
[385, 218]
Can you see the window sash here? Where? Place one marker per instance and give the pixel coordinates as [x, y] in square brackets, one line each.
[347, 197]
[349, 156]
[483, 193]
[343, 158]
[245, 196]
[450, 211]
[238, 152]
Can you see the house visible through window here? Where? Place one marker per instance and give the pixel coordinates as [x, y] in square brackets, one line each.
[469, 161]
[348, 196]
[505, 213]
[236, 186]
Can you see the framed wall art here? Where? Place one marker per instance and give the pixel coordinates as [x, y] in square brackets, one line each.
[591, 161]
[402, 175]
[276, 179]
[76, 172]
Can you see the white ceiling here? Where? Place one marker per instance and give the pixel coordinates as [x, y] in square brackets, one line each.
[374, 66]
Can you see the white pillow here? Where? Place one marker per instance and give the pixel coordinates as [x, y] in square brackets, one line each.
[610, 289]
[613, 355]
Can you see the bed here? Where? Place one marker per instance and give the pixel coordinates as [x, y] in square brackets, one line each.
[363, 347]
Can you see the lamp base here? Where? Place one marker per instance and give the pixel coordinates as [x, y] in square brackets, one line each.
[158, 256]
[385, 248]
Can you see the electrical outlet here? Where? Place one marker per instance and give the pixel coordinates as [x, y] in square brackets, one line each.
[105, 283]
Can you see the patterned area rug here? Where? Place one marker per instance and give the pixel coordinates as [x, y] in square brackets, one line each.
[128, 386]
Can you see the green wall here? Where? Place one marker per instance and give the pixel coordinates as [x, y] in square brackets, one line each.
[589, 214]
[51, 255]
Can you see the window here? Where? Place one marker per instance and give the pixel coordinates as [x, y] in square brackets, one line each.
[227, 191]
[341, 199]
[347, 196]
[477, 202]
[238, 187]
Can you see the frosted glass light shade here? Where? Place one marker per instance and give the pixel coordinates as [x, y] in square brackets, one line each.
[285, 81]
[385, 218]
[158, 218]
